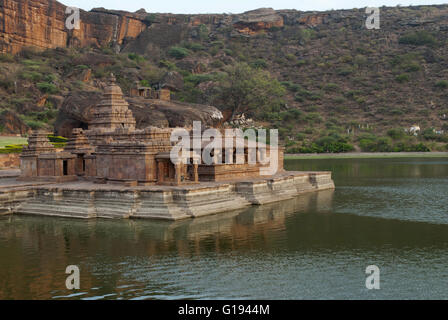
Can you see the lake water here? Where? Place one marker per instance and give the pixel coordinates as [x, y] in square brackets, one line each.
[392, 213]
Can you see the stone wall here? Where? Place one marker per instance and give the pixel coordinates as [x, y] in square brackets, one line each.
[10, 200]
[9, 160]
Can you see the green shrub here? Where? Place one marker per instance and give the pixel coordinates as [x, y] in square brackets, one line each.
[6, 57]
[292, 114]
[219, 44]
[34, 124]
[58, 144]
[228, 52]
[344, 71]
[167, 64]
[331, 87]
[293, 150]
[6, 83]
[304, 35]
[304, 93]
[57, 139]
[421, 148]
[151, 18]
[310, 108]
[396, 112]
[259, 64]
[340, 109]
[274, 29]
[360, 60]
[178, 52]
[333, 144]
[313, 117]
[194, 46]
[217, 64]
[293, 87]
[429, 134]
[15, 148]
[338, 100]
[383, 144]
[405, 147]
[402, 78]
[291, 57]
[418, 38]
[135, 57]
[99, 72]
[301, 63]
[371, 143]
[203, 32]
[331, 147]
[396, 133]
[31, 75]
[214, 51]
[19, 102]
[313, 148]
[442, 84]
[411, 67]
[47, 87]
[31, 63]
[199, 78]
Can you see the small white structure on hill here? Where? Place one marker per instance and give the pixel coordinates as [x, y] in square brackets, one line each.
[415, 130]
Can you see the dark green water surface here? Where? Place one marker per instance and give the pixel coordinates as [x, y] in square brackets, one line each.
[392, 213]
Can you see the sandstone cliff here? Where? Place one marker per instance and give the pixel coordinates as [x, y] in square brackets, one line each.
[41, 24]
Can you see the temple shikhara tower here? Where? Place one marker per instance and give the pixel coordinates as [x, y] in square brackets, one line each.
[112, 112]
[113, 151]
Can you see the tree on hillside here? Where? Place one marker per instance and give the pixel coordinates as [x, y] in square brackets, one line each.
[249, 90]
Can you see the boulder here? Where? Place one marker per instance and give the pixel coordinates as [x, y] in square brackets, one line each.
[77, 110]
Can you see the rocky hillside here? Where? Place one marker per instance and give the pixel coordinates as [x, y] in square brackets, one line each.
[344, 86]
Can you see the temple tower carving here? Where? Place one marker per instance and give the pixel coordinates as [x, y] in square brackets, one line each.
[112, 112]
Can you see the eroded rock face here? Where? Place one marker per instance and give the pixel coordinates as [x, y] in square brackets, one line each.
[12, 124]
[76, 111]
[313, 20]
[173, 80]
[41, 24]
[77, 108]
[252, 22]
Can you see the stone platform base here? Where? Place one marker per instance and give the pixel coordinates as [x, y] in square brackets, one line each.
[89, 200]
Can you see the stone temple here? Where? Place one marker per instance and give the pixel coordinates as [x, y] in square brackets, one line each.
[113, 170]
[113, 151]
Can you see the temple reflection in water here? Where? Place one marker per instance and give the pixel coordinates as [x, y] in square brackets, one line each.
[54, 244]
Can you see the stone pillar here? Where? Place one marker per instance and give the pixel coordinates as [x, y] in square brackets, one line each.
[71, 166]
[178, 173]
[195, 172]
[160, 171]
[58, 167]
